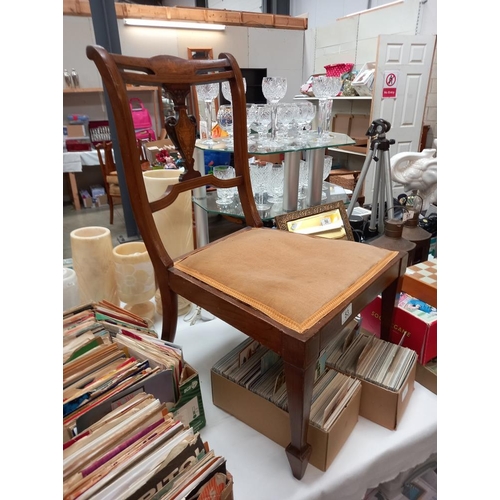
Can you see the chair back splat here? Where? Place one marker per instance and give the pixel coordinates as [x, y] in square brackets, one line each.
[176, 76]
[291, 292]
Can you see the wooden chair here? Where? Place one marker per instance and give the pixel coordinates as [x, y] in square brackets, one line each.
[109, 175]
[290, 292]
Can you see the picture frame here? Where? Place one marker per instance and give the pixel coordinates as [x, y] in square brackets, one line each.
[326, 221]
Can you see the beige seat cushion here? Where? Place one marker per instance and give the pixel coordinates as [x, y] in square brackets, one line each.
[293, 278]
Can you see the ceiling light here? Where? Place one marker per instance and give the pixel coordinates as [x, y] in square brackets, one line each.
[174, 24]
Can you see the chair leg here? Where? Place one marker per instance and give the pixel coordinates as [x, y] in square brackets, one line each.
[390, 301]
[111, 210]
[299, 386]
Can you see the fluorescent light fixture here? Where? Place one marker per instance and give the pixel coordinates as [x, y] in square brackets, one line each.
[174, 24]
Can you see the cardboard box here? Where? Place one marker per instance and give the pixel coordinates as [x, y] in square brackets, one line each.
[380, 405]
[101, 200]
[86, 198]
[420, 334]
[96, 190]
[268, 419]
[427, 375]
[189, 407]
[363, 83]
[75, 131]
[385, 407]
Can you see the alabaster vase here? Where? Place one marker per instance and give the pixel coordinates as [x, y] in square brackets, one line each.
[174, 224]
[135, 278]
[71, 294]
[92, 254]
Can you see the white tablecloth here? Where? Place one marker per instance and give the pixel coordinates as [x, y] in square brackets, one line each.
[73, 161]
[371, 455]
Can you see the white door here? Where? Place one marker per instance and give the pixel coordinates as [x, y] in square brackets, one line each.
[404, 64]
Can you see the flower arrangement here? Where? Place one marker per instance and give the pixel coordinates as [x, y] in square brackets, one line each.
[165, 159]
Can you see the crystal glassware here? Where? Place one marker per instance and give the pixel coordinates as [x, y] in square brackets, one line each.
[325, 88]
[274, 89]
[224, 195]
[277, 180]
[306, 114]
[262, 122]
[226, 90]
[207, 93]
[225, 121]
[286, 113]
[260, 173]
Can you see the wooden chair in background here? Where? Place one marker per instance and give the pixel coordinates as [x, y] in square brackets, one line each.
[256, 278]
[109, 175]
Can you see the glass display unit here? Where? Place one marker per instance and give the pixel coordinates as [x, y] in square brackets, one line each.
[311, 148]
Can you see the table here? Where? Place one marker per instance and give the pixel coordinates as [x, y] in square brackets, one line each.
[73, 162]
[314, 150]
[371, 455]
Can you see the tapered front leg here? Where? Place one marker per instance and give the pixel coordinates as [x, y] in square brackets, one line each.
[299, 385]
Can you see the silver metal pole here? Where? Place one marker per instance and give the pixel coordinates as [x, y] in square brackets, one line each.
[359, 184]
[388, 181]
[200, 194]
[315, 159]
[291, 182]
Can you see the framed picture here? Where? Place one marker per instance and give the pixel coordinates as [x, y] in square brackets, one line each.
[326, 221]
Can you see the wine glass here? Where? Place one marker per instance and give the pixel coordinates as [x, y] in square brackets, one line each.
[274, 89]
[306, 114]
[224, 195]
[225, 121]
[226, 90]
[207, 93]
[325, 88]
[277, 179]
[260, 172]
[262, 122]
[286, 113]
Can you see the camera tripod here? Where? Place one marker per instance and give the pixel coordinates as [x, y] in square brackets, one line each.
[382, 186]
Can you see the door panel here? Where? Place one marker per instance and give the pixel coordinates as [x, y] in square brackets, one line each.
[410, 57]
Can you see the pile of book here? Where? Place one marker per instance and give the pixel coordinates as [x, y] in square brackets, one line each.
[261, 371]
[132, 411]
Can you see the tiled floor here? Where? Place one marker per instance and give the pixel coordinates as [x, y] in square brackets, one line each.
[74, 219]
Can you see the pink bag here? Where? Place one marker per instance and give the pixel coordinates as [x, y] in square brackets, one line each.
[143, 124]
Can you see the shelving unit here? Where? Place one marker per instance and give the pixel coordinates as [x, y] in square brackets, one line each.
[99, 112]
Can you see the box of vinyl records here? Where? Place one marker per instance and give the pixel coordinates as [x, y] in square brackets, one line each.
[381, 404]
[270, 420]
[189, 407]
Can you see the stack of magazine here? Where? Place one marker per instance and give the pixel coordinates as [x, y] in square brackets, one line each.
[261, 371]
[132, 410]
[369, 358]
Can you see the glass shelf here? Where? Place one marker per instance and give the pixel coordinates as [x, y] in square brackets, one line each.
[331, 193]
[311, 142]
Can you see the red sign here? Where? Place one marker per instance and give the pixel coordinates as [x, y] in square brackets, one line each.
[390, 83]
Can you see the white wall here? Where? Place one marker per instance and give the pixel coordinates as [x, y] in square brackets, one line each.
[280, 51]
